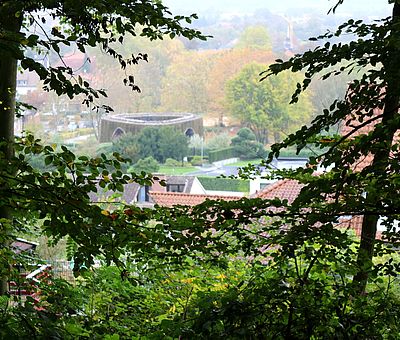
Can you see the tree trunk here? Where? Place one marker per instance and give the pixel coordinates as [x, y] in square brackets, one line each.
[380, 160]
[9, 23]
[277, 137]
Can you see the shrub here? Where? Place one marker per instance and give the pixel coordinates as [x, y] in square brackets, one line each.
[197, 160]
[173, 163]
[246, 147]
[219, 141]
[148, 164]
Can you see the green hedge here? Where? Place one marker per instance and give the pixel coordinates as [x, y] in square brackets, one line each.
[225, 184]
[221, 154]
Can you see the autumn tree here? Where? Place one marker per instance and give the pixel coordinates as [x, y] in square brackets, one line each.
[148, 75]
[264, 107]
[185, 82]
[228, 64]
[324, 92]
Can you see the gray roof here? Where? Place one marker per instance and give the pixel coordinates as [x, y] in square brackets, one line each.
[128, 195]
[131, 190]
[186, 180]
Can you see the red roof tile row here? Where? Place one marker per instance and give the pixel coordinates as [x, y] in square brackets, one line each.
[169, 199]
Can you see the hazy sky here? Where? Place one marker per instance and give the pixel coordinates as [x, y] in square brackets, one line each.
[351, 7]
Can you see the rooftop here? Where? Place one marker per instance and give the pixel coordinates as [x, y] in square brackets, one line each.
[169, 199]
[286, 189]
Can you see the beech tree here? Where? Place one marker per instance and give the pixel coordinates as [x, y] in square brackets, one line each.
[255, 37]
[185, 82]
[372, 102]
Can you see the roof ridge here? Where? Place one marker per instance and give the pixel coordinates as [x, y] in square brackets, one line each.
[169, 193]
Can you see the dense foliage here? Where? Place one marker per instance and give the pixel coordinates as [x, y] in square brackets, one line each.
[147, 165]
[251, 268]
[158, 143]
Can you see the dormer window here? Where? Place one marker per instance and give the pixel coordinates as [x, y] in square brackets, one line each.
[175, 187]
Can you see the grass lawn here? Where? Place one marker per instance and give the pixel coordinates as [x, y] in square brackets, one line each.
[166, 170]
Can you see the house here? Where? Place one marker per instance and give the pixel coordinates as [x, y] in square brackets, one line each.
[169, 199]
[21, 245]
[289, 189]
[27, 81]
[140, 195]
[26, 282]
[286, 189]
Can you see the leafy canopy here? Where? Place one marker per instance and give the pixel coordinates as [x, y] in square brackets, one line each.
[264, 107]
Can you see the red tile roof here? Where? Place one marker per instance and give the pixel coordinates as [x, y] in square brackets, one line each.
[355, 223]
[348, 127]
[283, 189]
[20, 245]
[287, 189]
[351, 123]
[352, 222]
[169, 199]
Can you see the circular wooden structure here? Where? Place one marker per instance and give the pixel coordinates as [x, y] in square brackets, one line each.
[112, 127]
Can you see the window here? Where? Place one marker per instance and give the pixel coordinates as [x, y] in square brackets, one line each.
[175, 187]
[143, 194]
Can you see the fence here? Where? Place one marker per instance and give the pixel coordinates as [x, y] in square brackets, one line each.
[62, 269]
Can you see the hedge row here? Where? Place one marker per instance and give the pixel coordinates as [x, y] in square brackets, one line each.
[225, 184]
[221, 154]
